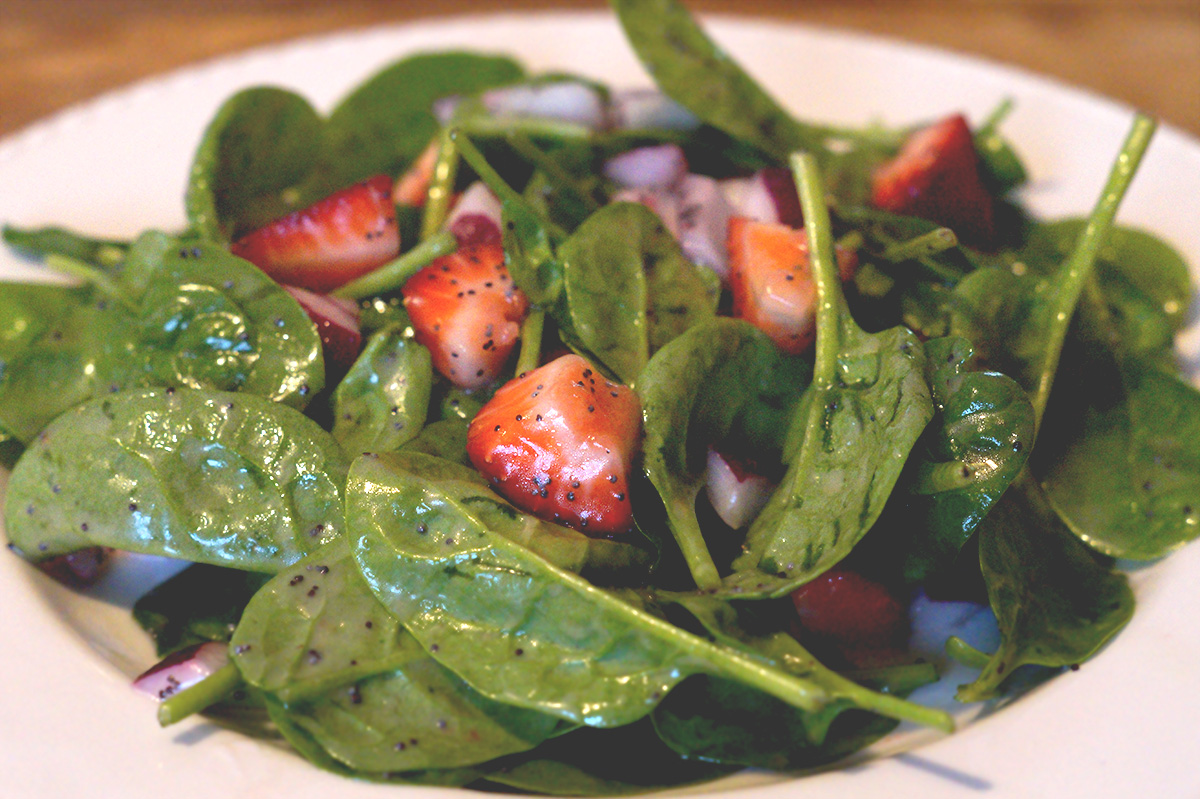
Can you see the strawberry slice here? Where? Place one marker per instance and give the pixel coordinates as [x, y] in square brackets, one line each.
[333, 241]
[860, 618]
[466, 310]
[412, 187]
[936, 177]
[559, 442]
[772, 282]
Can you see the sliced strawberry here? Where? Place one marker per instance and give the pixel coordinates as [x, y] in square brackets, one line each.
[344, 236]
[466, 310]
[864, 621]
[559, 442]
[772, 283]
[337, 324]
[936, 177]
[412, 187]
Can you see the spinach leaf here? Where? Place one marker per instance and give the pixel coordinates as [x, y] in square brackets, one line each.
[382, 402]
[40, 242]
[347, 674]
[692, 70]
[601, 762]
[192, 315]
[445, 438]
[693, 392]
[385, 123]
[184, 468]
[719, 721]
[629, 289]
[1019, 322]
[519, 629]
[1118, 457]
[977, 444]
[1055, 600]
[201, 603]
[864, 411]
[252, 163]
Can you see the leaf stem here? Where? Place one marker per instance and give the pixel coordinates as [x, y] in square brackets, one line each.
[441, 187]
[1074, 277]
[531, 342]
[923, 246]
[830, 299]
[394, 274]
[81, 270]
[212, 689]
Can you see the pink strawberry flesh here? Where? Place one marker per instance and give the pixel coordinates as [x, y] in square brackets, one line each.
[332, 242]
[466, 310]
[559, 442]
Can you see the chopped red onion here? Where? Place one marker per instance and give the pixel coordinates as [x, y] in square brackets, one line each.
[736, 494]
[649, 108]
[182, 669]
[475, 217]
[567, 101]
[336, 319]
[659, 166]
[663, 203]
[704, 223]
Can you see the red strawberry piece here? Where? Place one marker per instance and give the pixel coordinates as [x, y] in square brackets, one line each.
[559, 442]
[337, 324]
[78, 569]
[861, 618]
[466, 310]
[772, 282]
[333, 241]
[412, 187]
[936, 177]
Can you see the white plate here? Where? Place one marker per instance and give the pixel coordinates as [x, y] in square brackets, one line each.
[69, 725]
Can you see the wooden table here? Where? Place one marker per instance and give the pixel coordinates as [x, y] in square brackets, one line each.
[1143, 52]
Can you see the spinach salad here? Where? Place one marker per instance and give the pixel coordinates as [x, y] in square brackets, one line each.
[527, 433]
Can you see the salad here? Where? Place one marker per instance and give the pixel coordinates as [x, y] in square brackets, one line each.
[668, 647]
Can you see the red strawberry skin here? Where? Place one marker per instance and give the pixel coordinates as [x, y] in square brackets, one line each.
[936, 176]
[559, 442]
[861, 618]
[466, 310]
[772, 283]
[333, 241]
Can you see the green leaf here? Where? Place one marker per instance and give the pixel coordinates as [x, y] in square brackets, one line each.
[864, 411]
[1055, 600]
[184, 467]
[201, 603]
[517, 628]
[629, 289]
[693, 393]
[382, 402]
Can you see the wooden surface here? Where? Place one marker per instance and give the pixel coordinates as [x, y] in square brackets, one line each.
[1143, 52]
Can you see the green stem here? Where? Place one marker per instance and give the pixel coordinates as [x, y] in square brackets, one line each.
[441, 187]
[494, 181]
[830, 299]
[551, 169]
[959, 650]
[81, 270]
[531, 342]
[897, 680]
[1082, 259]
[923, 246]
[486, 125]
[394, 274]
[212, 689]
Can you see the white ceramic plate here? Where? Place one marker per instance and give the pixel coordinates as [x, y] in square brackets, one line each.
[70, 727]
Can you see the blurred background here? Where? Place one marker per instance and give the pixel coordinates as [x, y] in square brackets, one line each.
[1145, 53]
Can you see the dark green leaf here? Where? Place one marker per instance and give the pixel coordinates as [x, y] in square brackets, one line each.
[382, 402]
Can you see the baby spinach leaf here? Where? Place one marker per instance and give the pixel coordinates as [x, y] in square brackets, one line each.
[979, 440]
[201, 603]
[40, 242]
[692, 392]
[691, 69]
[385, 123]
[864, 411]
[445, 438]
[348, 674]
[207, 476]
[382, 402]
[252, 163]
[1119, 460]
[601, 762]
[517, 628]
[195, 316]
[719, 721]
[1020, 322]
[1055, 600]
[629, 289]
